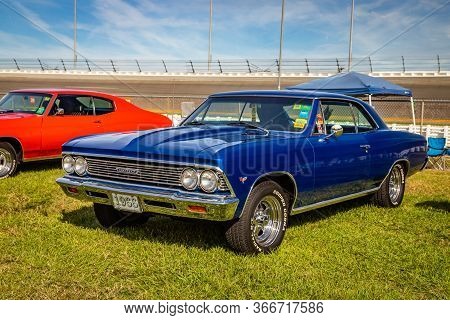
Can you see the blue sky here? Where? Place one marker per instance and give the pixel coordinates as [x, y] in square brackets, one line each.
[149, 29]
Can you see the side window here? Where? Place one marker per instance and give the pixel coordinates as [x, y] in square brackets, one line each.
[346, 114]
[102, 106]
[339, 113]
[363, 121]
[70, 104]
[334, 112]
[86, 107]
[82, 105]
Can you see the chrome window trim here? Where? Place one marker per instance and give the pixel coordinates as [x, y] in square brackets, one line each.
[325, 203]
[187, 164]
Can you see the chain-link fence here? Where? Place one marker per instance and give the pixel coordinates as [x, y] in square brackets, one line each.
[433, 112]
[427, 112]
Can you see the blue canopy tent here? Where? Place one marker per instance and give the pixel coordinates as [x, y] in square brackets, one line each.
[357, 84]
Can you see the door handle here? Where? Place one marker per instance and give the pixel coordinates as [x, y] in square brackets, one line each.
[97, 121]
[365, 147]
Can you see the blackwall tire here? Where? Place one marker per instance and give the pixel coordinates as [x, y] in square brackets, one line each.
[391, 192]
[263, 222]
[8, 160]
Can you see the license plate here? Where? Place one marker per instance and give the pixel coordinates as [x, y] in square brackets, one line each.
[125, 202]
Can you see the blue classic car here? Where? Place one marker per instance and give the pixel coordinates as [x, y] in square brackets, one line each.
[251, 159]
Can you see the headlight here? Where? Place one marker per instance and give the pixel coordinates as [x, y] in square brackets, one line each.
[80, 166]
[209, 181]
[68, 164]
[189, 178]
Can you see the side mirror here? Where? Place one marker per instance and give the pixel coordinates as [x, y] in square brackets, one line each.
[59, 112]
[336, 131]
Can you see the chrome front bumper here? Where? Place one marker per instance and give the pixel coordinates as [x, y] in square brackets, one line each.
[153, 199]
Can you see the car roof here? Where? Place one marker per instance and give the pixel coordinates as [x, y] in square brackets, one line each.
[283, 93]
[62, 91]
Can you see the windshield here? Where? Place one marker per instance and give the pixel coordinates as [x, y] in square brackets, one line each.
[269, 113]
[25, 102]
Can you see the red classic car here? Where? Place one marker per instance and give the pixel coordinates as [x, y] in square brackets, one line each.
[35, 123]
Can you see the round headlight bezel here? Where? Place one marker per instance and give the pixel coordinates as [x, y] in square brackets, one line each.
[215, 178]
[80, 168]
[68, 164]
[193, 173]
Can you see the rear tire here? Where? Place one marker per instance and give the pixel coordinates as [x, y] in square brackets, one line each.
[391, 192]
[8, 160]
[263, 223]
[109, 217]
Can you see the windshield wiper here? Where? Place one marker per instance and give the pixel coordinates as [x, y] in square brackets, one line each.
[7, 111]
[248, 125]
[194, 123]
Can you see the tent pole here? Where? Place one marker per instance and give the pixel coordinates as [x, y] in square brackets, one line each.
[421, 116]
[370, 99]
[412, 111]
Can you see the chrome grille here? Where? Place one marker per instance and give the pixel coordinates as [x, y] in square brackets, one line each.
[147, 173]
[222, 182]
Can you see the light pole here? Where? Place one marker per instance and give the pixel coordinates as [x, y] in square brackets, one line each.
[210, 33]
[281, 45]
[350, 44]
[74, 33]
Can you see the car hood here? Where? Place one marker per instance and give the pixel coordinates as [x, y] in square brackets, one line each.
[184, 143]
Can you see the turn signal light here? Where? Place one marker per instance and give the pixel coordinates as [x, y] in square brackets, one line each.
[72, 189]
[197, 209]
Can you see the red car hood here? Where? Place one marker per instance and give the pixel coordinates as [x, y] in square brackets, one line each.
[16, 115]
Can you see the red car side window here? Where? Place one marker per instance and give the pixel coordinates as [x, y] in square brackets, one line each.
[82, 105]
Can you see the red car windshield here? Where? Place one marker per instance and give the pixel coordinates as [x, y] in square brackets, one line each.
[25, 102]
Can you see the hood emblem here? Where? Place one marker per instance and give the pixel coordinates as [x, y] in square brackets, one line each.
[128, 171]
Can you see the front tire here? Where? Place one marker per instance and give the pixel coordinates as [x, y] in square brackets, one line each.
[109, 217]
[391, 192]
[8, 160]
[263, 223]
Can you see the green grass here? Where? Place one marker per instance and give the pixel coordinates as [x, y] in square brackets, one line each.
[51, 247]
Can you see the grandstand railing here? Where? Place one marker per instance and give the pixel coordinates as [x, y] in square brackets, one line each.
[402, 64]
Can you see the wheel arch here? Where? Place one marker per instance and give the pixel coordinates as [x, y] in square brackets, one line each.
[285, 180]
[16, 144]
[404, 162]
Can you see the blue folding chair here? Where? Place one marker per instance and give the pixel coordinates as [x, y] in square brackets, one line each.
[436, 152]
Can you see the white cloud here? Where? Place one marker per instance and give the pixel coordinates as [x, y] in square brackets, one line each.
[21, 46]
[150, 29]
[41, 25]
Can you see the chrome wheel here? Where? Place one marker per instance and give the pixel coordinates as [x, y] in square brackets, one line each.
[395, 184]
[6, 162]
[266, 221]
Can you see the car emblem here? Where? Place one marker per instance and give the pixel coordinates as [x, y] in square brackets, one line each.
[242, 179]
[128, 171]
